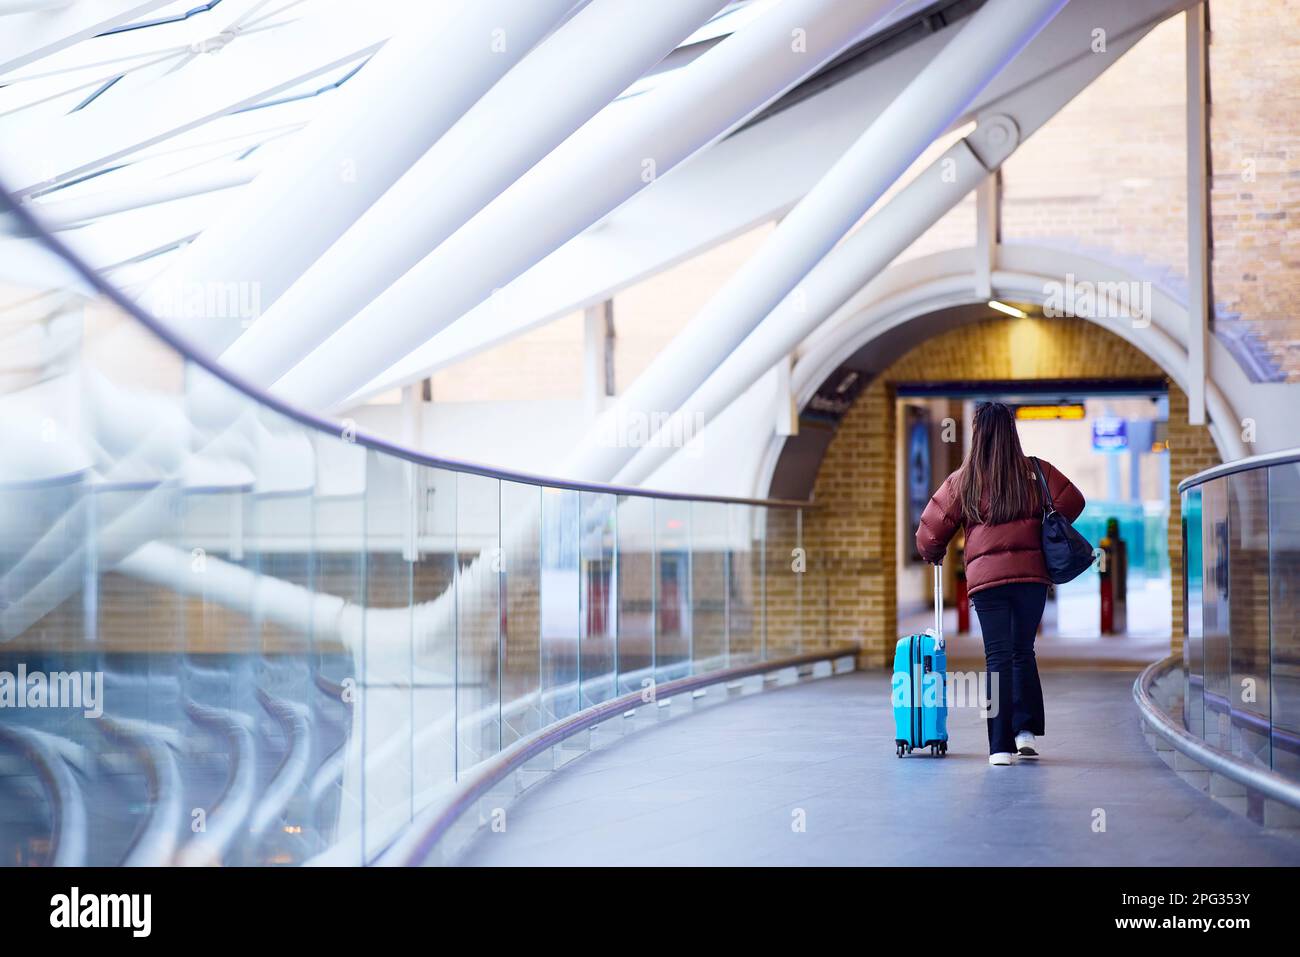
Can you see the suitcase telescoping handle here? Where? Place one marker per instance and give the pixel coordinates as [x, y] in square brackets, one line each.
[938, 607]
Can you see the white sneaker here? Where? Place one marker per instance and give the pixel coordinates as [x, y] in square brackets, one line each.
[1025, 744]
[1001, 759]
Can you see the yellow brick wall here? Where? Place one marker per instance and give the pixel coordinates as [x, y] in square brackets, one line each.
[851, 534]
[1254, 63]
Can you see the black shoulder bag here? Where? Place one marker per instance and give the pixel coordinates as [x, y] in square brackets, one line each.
[1066, 552]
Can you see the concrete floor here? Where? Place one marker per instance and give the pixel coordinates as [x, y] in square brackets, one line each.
[729, 784]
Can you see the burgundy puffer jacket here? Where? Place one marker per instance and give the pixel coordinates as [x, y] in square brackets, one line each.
[995, 554]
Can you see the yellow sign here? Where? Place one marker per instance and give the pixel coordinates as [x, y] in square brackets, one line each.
[1049, 412]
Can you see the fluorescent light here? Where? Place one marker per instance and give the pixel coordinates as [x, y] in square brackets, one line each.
[1009, 310]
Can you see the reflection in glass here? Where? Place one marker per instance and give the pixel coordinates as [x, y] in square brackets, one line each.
[636, 592]
[433, 657]
[597, 658]
[744, 584]
[560, 603]
[783, 582]
[1248, 628]
[1214, 518]
[1193, 614]
[478, 618]
[1284, 599]
[522, 710]
[673, 589]
[710, 570]
[304, 637]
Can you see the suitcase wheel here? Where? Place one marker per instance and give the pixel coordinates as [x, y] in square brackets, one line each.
[898, 749]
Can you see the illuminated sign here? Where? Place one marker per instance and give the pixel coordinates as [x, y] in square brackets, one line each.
[1109, 434]
[1039, 412]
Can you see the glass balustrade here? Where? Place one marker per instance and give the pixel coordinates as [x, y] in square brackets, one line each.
[1241, 653]
[233, 634]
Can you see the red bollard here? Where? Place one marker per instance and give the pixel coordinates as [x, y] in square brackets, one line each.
[1107, 589]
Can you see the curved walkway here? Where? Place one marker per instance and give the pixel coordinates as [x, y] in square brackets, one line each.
[729, 784]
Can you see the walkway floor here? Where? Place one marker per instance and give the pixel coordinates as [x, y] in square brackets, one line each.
[729, 784]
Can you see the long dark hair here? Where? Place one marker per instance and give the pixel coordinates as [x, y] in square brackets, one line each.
[995, 484]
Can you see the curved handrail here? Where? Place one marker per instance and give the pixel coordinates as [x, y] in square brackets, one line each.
[1266, 460]
[155, 843]
[228, 817]
[68, 835]
[295, 722]
[419, 843]
[182, 346]
[1258, 779]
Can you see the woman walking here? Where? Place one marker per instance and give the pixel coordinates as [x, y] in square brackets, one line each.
[996, 497]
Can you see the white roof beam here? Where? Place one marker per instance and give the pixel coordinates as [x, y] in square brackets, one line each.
[521, 119]
[204, 179]
[936, 98]
[608, 160]
[752, 177]
[29, 36]
[405, 99]
[852, 265]
[250, 69]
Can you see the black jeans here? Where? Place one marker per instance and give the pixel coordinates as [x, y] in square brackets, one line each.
[1009, 617]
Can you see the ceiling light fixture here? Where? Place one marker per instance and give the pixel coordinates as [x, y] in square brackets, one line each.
[1009, 310]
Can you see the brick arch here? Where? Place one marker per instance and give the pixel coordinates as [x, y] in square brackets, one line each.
[852, 533]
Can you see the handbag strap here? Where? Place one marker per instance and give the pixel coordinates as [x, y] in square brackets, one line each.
[1048, 505]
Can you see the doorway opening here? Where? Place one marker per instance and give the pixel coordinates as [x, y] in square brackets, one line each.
[1110, 437]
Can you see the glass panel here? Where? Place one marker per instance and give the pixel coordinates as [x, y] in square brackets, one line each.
[303, 638]
[710, 558]
[1248, 615]
[433, 659]
[744, 585]
[783, 581]
[478, 618]
[1193, 612]
[1214, 518]
[279, 542]
[560, 595]
[339, 578]
[673, 589]
[598, 657]
[1284, 574]
[636, 593]
[521, 677]
[386, 657]
[814, 598]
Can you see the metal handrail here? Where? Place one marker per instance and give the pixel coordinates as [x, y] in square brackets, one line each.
[1266, 782]
[316, 423]
[68, 833]
[1266, 460]
[421, 839]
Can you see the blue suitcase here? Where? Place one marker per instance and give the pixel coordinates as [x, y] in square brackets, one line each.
[919, 686]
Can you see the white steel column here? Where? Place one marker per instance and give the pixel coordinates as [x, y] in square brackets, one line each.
[1198, 216]
[928, 106]
[410, 92]
[60, 214]
[988, 232]
[526, 115]
[618, 153]
[597, 374]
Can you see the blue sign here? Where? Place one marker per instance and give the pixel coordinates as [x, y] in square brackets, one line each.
[1109, 435]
